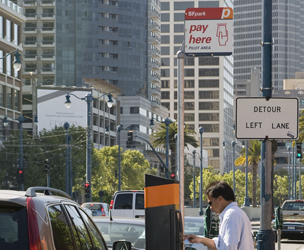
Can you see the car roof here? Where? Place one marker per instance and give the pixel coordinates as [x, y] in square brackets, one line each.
[123, 220]
[19, 197]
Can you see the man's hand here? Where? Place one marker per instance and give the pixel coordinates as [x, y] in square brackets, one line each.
[192, 238]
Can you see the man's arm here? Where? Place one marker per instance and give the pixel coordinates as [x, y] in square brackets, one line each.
[205, 241]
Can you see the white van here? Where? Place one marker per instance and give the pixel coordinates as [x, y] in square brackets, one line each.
[128, 203]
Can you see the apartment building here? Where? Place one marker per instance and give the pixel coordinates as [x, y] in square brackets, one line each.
[208, 85]
[11, 19]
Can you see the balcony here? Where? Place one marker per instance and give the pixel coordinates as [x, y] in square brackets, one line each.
[30, 16]
[155, 40]
[155, 27]
[155, 15]
[30, 30]
[48, 71]
[30, 44]
[155, 78]
[155, 53]
[48, 57]
[29, 58]
[155, 65]
[155, 91]
[47, 30]
[155, 102]
[47, 44]
[47, 16]
[29, 3]
[47, 3]
[28, 71]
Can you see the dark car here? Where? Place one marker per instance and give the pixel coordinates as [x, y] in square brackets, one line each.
[30, 220]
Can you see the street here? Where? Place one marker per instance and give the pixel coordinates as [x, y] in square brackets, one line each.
[285, 243]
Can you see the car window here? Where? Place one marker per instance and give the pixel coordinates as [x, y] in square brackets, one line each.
[60, 227]
[194, 226]
[80, 230]
[123, 201]
[297, 206]
[116, 231]
[95, 235]
[13, 227]
[139, 204]
[93, 206]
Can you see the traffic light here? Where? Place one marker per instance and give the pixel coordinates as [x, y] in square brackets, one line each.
[130, 139]
[47, 165]
[87, 190]
[20, 176]
[173, 176]
[299, 150]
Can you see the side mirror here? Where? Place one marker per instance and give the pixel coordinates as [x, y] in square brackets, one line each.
[122, 245]
[190, 248]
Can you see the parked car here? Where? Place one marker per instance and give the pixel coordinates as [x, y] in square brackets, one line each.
[126, 229]
[194, 225]
[31, 220]
[97, 208]
[128, 203]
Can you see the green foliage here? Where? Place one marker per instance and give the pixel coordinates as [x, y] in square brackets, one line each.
[280, 188]
[211, 175]
[47, 145]
[134, 166]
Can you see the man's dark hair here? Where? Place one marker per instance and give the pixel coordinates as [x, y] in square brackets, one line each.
[220, 188]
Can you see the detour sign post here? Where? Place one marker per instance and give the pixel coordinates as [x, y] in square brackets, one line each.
[208, 31]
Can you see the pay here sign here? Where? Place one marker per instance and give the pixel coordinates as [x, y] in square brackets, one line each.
[208, 31]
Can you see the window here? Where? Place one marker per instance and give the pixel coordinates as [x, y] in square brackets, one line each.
[189, 117]
[1, 95]
[79, 229]
[209, 94]
[166, 104]
[61, 230]
[208, 61]
[165, 95]
[8, 30]
[189, 72]
[189, 94]
[121, 110]
[189, 105]
[123, 201]
[1, 27]
[211, 141]
[16, 99]
[208, 105]
[210, 127]
[139, 201]
[9, 65]
[189, 84]
[209, 117]
[209, 83]
[183, 5]
[13, 221]
[134, 110]
[9, 97]
[209, 72]
[1, 62]
[165, 17]
[165, 84]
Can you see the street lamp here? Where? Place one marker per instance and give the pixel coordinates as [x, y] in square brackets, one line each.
[246, 199]
[167, 122]
[201, 212]
[194, 194]
[17, 62]
[233, 166]
[88, 98]
[20, 119]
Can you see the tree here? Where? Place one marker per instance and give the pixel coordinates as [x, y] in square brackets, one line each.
[280, 188]
[254, 156]
[134, 166]
[301, 127]
[159, 138]
[47, 145]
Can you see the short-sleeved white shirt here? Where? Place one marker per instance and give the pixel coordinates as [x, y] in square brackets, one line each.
[235, 230]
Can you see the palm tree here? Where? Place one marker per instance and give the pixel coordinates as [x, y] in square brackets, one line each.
[254, 156]
[301, 128]
[159, 138]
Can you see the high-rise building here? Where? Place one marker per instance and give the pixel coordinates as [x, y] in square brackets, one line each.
[208, 84]
[11, 19]
[287, 33]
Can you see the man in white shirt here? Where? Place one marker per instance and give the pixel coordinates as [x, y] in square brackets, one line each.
[235, 227]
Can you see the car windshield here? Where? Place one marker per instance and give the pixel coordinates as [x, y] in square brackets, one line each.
[115, 231]
[194, 226]
[93, 206]
[13, 227]
[294, 205]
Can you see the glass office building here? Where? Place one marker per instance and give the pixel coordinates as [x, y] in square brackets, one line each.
[287, 33]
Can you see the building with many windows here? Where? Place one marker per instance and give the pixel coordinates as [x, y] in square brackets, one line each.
[11, 19]
[287, 33]
[208, 84]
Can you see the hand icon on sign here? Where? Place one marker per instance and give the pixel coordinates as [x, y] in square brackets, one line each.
[222, 34]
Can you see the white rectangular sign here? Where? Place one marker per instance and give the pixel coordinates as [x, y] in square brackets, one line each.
[257, 118]
[208, 31]
[52, 111]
